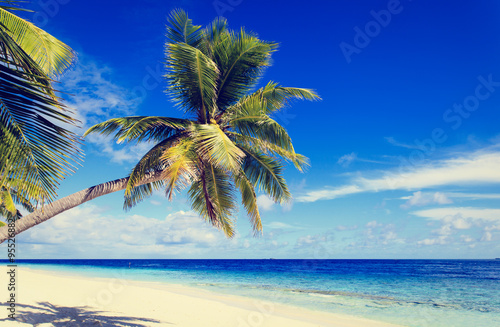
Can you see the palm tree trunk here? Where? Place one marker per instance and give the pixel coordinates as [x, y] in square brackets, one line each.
[69, 202]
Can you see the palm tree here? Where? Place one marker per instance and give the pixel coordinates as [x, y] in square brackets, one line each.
[227, 142]
[35, 149]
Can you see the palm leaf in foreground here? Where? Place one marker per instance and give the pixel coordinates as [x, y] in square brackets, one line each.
[35, 146]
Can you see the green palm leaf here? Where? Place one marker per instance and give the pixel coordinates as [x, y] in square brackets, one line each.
[180, 29]
[192, 77]
[140, 128]
[277, 96]
[45, 149]
[216, 147]
[212, 197]
[35, 150]
[139, 193]
[180, 167]
[249, 201]
[241, 59]
[52, 55]
[300, 161]
[267, 174]
[151, 161]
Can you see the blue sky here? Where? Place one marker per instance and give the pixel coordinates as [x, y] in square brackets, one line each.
[404, 146]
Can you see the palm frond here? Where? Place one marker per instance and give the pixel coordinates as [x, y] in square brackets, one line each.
[52, 55]
[180, 29]
[278, 96]
[140, 128]
[266, 173]
[269, 99]
[192, 78]
[241, 59]
[249, 201]
[27, 115]
[8, 215]
[149, 162]
[265, 129]
[180, 167]
[7, 202]
[214, 145]
[140, 192]
[214, 39]
[212, 197]
[300, 161]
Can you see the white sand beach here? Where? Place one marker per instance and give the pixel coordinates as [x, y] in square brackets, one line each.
[46, 298]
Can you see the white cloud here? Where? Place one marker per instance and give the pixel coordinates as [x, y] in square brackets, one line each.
[347, 159]
[265, 203]
[473, 196]
[421, 199]
[433, 241]
[94, 94]
[96, 97]
[319, 246]
[342, 228]
[372, 224]
[466, 238]
[86, 231]
[465, 212]
[456, 219]
[478, 168]
[278, 225]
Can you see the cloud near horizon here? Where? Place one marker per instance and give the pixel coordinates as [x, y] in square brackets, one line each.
[476, 168]
[454, 221]
[89, 231]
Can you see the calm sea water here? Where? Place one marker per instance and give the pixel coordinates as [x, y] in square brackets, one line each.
[406, 292]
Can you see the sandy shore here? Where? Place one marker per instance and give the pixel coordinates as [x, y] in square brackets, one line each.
[56, 299]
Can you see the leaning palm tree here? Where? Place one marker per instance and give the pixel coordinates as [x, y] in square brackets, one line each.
[227, 141]
[35, 149]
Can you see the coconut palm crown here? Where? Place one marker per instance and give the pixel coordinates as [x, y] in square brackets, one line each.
[228, 142]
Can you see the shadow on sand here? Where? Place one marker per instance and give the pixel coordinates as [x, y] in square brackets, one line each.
[59, 316]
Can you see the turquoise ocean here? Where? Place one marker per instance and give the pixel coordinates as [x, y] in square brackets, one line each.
[419, 293]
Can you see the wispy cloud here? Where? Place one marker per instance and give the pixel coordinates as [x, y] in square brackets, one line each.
[473, 196]
[420, 199]
[347, 159]
[466, 212]
[96, 96]
[342, 228]
[476, 168]
[265, 203]
[281, 225]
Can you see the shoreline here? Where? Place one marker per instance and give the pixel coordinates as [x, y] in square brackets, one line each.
[54, 297]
